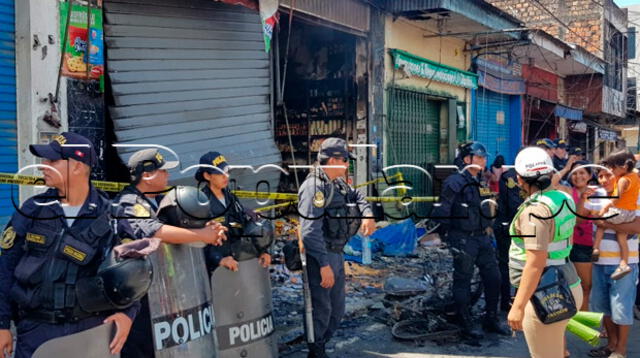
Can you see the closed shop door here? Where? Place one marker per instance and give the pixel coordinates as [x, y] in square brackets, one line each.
[191, 75]
[8, 133]
[492, 123]
[412, 137]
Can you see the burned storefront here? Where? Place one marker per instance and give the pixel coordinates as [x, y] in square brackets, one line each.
[320, 61]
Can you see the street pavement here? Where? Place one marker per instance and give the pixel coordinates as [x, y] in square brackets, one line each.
[378, 342]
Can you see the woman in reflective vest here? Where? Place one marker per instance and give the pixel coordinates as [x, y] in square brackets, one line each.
[541, 235]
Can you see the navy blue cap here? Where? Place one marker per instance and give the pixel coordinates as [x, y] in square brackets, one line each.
[560, 143]
[576, 151]
[212, 163]
[66, 145]
[546, 142]
[334, 147]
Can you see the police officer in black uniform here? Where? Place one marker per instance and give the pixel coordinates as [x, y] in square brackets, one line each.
[324, 199]
[509, 199]
[53, 242]
[464, 220]
[137, 219]
[213, 178]
[560, 154]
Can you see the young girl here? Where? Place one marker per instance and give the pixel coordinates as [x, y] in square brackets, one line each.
[622, 209]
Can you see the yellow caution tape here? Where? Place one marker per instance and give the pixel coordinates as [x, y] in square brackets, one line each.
[379, 180]
[6, 178]
[245, 194]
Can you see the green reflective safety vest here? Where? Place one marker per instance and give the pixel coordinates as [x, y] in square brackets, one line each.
[561, 205]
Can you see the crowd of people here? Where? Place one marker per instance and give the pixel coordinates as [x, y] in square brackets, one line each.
[599, 260]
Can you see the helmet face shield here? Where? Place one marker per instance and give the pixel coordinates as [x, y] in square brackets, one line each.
[117, 285]
[185, 206]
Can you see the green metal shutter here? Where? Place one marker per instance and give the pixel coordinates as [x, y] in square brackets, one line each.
[413, 134]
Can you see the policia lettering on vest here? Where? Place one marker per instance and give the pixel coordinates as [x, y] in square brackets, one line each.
[136, 210]
[541, 235]
[329, 215]
[49, 267]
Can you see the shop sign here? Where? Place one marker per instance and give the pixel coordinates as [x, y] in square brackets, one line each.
[499, 78]
[614, 102]
[82, 40]
[608, 135]
[421, 67]
[579, 127]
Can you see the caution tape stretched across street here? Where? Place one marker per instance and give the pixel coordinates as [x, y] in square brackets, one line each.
[8, 178]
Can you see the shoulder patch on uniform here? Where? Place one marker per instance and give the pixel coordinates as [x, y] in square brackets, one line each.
[38, 239]
[318, 199]
[140, 211]
[8, 238]
[511, 183]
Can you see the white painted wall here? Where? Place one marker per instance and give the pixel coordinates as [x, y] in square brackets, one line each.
[36, 71]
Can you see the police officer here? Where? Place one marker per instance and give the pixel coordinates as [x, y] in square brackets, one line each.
[225, 207]
[53, 241]
[137, 219]
[324, 199]
[509, 199]
[560, 154]
[465, 227]
[548, 145]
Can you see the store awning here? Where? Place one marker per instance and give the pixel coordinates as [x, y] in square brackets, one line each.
[499, 78]
[568, 112]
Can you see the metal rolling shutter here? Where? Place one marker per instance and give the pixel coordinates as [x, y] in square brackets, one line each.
[8, 132]
[191, 75]
[413, 134]
[488, 131]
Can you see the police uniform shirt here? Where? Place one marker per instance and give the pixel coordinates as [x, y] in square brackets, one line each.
[509, 198]
[537, 227]
[313, 197]
[136, 214]
[38, 227]
[559, 163]
[458, 189]
[227, 211]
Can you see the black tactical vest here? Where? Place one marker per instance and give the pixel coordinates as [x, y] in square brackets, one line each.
[56, 256]
[342, 215]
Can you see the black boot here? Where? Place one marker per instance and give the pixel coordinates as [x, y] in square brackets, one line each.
[470, 328]
[316, 350]
[492, 323]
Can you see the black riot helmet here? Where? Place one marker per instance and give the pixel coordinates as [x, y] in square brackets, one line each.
[185, 206]
[472, 148]
[117, 285]
[261, 233]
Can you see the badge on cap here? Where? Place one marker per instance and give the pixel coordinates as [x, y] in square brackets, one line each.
[219, 159]
[8, 238]
[159, 157]
[60, 139]
[318, 199]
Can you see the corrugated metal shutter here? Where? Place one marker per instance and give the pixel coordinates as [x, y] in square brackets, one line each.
[191, 75]
[492, 123]
[8, 137]
[412, 137]
[353, 14]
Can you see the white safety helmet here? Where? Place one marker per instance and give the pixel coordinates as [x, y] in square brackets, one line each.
[533, 162]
